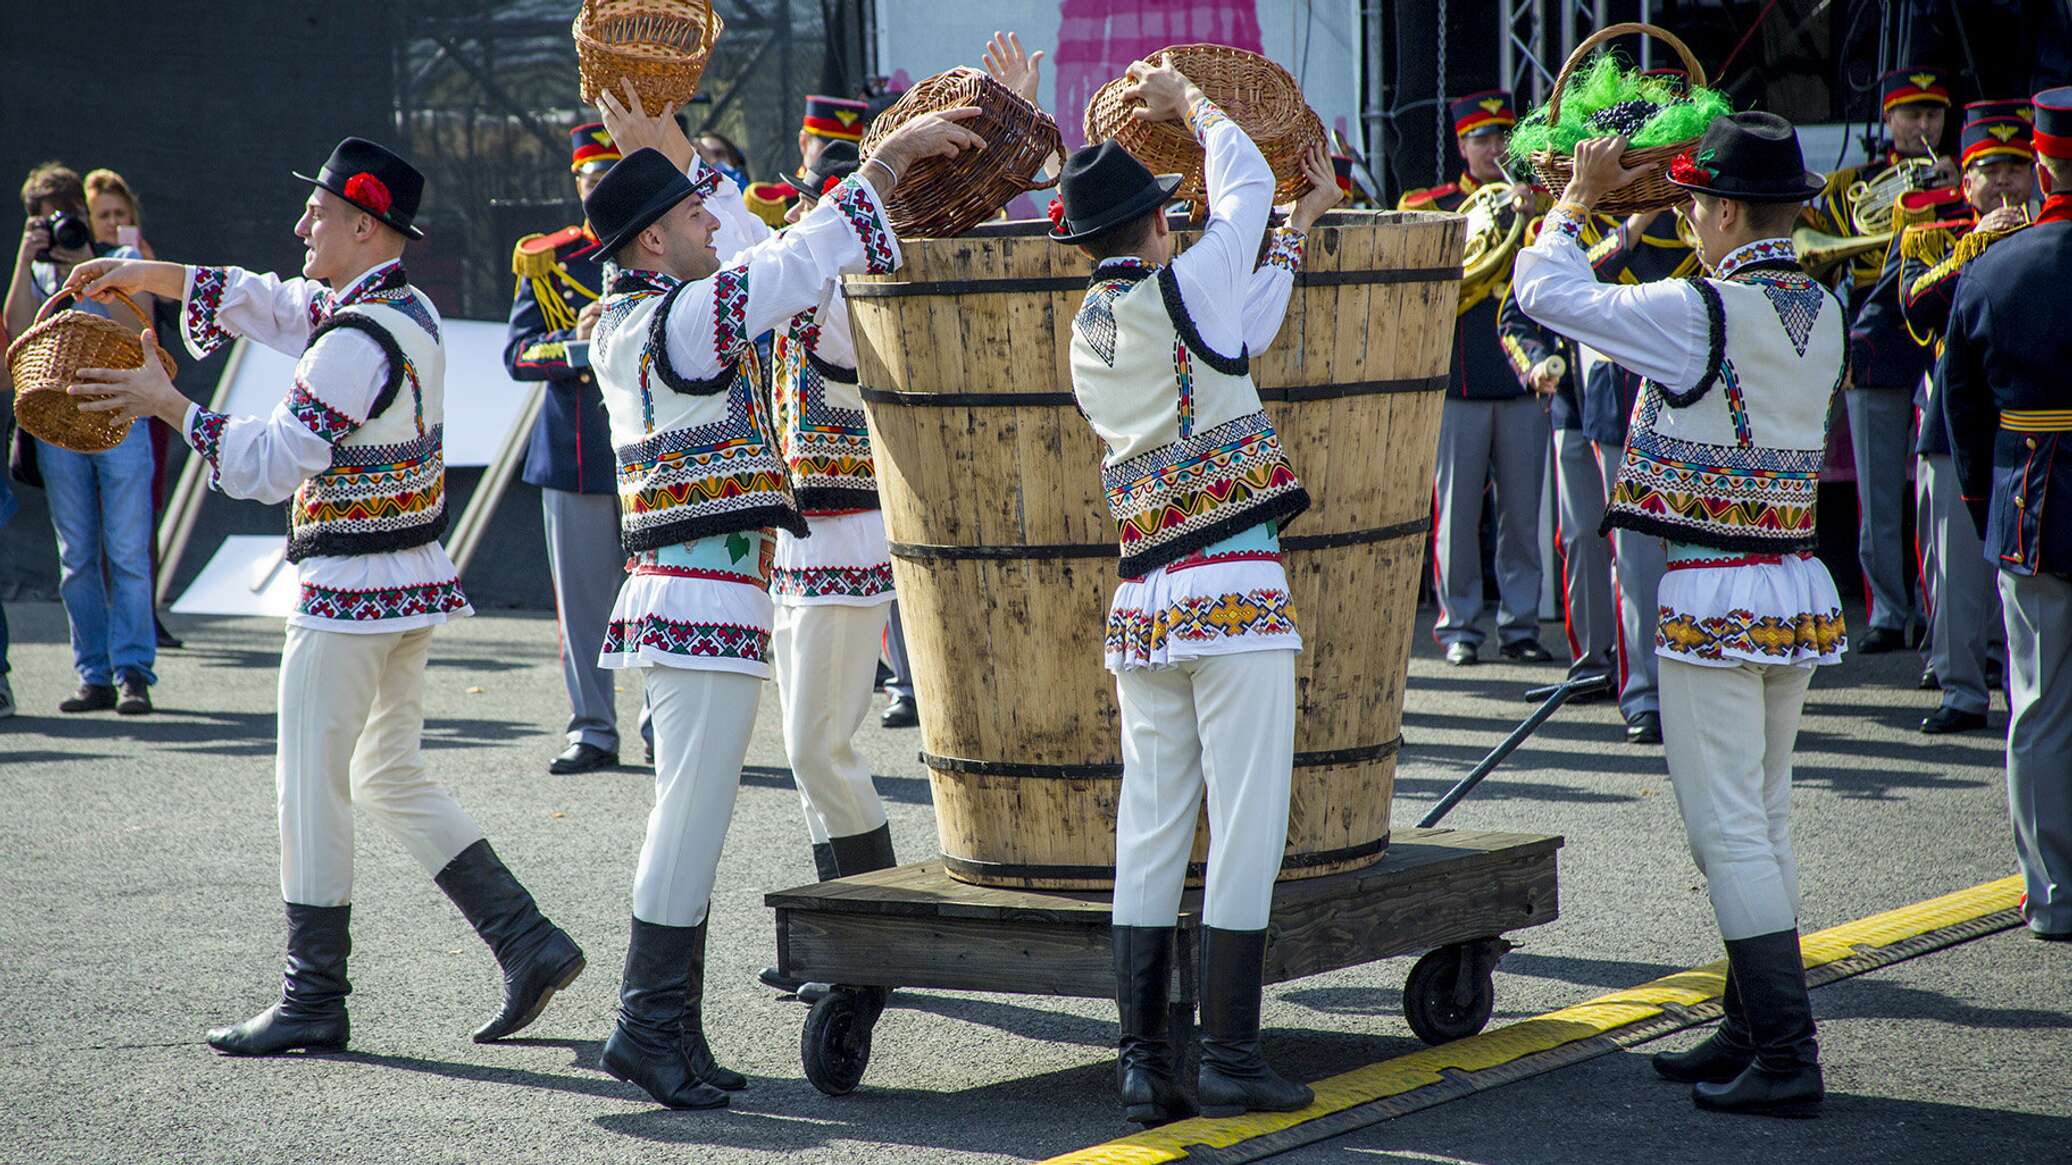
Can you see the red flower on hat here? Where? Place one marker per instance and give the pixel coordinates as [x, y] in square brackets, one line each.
[1057, 215]
[367, 191]
[833, 180]
[1686, 168]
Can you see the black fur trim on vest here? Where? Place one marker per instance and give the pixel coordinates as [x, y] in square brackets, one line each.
[333, 543]
[692, 528]
[392, 351]
[829, 370]
[658, 342]
[1169, 289]
[1716, 345]
[1712, 539]
[819, 501]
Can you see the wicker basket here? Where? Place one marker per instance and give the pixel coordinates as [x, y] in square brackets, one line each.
[44, 362]
[942, 197]
[1650, 191]
[1259, 95]
[662, 46]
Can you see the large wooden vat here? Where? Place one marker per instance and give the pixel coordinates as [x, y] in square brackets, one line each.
[1004, 554]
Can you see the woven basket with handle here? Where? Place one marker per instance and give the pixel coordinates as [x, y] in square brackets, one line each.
[45, 361]
[1650, 191]
[1259, 95]
[662, 46]
[942, 197]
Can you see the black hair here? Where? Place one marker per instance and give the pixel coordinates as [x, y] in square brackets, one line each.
[1126, 238]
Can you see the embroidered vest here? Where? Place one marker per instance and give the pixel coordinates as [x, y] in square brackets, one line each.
[386, 486]
[695, 457]
[820, 428]
[1734, 463]
[1192, 458]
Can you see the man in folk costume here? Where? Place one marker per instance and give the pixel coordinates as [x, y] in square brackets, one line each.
[553, 313]
[355, 448]
[1885, 364]
[1963, 605]
[701, 483]
[1723, 463]
[2009, 409]
[1200, 635]
[1493, 431]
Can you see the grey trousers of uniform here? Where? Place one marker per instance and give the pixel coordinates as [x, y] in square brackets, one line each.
[587, 565]
[901, 685]
[1638, 562]
[2039, 741]
[1480, 441]
[1586, 556]
[1880, 424]
[1958, 590]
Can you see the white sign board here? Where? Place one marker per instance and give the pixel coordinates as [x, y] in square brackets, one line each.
[482, 401]
[1089, 42]
[249, 575]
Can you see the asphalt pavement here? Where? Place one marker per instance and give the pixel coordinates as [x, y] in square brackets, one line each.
[138, 906]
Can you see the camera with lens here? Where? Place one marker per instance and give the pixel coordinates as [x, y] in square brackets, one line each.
[68, 232]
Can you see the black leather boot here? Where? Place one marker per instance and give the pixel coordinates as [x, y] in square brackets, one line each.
[1235, 1077]
[695, 1049]
[1720, 1056]
[1146, 1074]
[537, 957]
[824, 866]
[646, 1045]
[1784, 1078]
[311, 1013]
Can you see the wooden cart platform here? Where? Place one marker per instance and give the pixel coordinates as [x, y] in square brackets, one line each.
[1449, 893]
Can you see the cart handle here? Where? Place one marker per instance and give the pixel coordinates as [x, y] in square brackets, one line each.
[1556, 696]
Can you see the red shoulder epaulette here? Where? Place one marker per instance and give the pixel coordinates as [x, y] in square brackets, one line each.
[1430, 194]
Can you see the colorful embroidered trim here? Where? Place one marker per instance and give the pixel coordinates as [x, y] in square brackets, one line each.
[205, 436]
[706, 184]
[1194, 492]
[857, 206]
[1141, 636]
[821, 582]
[1565, 221]
[366, 606]
[687, 638]
[1737, 406]
[1744, 633]
[729, 312]
[1202, 116]
[329, 424]
[373, 498]
[1285, 252]
[204, 304]
[1761, 251]
[1183, 378]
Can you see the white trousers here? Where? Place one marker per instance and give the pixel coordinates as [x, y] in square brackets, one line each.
[825, 659]
[702, 724]
[1227, 722]
[351, 722]
[1735, 801]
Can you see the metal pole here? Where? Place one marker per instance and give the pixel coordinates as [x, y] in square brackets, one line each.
[1507, 52]
[1647, 43]
[1556, 696]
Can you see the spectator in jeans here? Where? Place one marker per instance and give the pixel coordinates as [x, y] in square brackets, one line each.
[100, 503]
[118, 221]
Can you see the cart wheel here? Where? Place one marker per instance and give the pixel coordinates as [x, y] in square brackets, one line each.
[835, 1045]
[1450, 993]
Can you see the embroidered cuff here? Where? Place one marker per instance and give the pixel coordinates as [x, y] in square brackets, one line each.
[199, 328]
[704, 179]
[1203, 116]
[1286, 250]
[316, 416]
[1565, 221]
[854, 201]
[204, 434]
[729, 313]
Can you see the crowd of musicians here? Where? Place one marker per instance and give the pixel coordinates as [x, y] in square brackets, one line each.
[712, 519]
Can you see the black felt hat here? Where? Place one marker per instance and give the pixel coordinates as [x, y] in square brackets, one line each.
[374, 179]
[1748, 157]
[1103, 187]
[641, 188]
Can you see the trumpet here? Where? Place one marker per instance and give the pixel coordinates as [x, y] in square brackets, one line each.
[1820, 253]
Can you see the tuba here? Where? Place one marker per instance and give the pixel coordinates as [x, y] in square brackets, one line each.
[1495, 230]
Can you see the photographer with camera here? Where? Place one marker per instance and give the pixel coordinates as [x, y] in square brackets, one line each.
[100, 503]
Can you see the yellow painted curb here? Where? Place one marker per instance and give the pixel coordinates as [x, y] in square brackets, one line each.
[1596, 1017]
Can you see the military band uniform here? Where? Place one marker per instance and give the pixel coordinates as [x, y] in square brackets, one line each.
[1885, 366]
[2006, 399]
[367, 395]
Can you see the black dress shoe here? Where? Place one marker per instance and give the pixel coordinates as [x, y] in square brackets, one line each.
[1947, 719]
[1526, 651]
[1879, 640]
[647, 752]
[582, 758]
[136, 697]
[1461, 653]
[1644, 728]
[1929, 683]
[167, 641]
[89, 698]
[901, 713]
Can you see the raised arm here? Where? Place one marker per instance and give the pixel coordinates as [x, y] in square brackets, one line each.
[216, 303]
